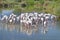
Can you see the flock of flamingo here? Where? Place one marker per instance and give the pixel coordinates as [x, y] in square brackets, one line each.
[28, 19]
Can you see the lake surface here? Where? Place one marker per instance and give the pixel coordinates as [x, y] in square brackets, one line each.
[17, 32]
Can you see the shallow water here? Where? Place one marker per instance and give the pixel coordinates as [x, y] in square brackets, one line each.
[17, 32]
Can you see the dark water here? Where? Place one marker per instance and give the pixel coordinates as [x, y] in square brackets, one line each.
[16, 32]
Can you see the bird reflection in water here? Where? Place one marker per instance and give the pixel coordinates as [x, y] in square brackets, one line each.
[44, 30]
[27, 29]
[11, 27]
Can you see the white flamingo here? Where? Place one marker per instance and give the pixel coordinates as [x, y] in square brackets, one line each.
[47, 18]
[42, 19]
[18, 18]
[10, 20]
[45, 23]
[4, 18]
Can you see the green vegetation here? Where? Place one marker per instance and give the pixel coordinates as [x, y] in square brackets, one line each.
[48, 6]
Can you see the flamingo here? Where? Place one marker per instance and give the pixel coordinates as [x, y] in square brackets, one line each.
[47, 18]
[18, 19]
[42, 19]
[45, 23]
[14, 20]
[41, 14]
[53, 18]
[10, 20]
[4, 18]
